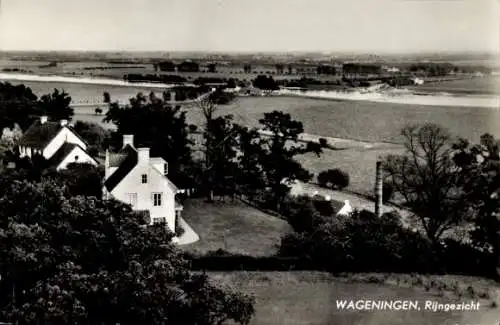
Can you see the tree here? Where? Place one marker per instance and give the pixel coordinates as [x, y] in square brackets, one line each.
[247, 68]
[333, 178]
[106, 97]
[167, 132]
[56, 105]
[387, 192]
[218, 136]
[81, 179]
[428, 180]
[212, 67]
[265, 83]
[95, 135]
[81, 260]
[250, 176]
[480, 165]
[277, 153]
[18, 105]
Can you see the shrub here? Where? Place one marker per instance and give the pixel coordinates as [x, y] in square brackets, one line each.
[387, 192]
[333, 178]
[179, 231]
[323, 143]
[364, 243]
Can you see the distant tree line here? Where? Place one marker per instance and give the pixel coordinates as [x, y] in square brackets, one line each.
[186, 66]
[168, 79]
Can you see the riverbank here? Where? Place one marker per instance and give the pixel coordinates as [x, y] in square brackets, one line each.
[19, 77]
[411, 96]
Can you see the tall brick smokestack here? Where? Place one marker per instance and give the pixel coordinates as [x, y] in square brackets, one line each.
[378, 190]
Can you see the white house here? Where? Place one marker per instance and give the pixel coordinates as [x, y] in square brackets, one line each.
[55, 141]
[135, 178]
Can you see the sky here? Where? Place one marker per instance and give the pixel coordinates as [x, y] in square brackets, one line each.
[367, 26]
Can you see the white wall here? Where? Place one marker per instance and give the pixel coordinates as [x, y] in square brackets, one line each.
[156, 183]
[83, 157]
[65, 135]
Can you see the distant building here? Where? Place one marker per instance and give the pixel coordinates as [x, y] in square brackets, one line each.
[391, 69]
[55, 141]
[417, 81]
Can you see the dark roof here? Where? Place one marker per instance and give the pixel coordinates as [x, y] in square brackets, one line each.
[61, 153]
[126, 166]
[39, 135]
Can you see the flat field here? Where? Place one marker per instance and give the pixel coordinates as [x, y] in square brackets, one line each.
[234, 227]
[479, 85]
[300, 298]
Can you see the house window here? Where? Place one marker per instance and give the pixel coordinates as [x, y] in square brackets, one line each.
[159, 220]
[76, 158]
[157, 199]
[144, 178]
[165, 169]
[132, 199]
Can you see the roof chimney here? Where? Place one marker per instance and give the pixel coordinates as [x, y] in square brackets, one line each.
[143, 155]
[43, 119]
[64, 122]
[128, 140]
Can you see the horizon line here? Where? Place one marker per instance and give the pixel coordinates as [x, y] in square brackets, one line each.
[331, 52]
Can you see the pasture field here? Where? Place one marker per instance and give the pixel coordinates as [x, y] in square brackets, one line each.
[358, 120]
[300, 298]
[478, 85]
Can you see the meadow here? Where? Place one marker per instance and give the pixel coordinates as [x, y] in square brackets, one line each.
[300, 298]
[482, 85]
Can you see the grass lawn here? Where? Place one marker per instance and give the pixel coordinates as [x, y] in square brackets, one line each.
[360, 164]
[294, 298]
[233, 226]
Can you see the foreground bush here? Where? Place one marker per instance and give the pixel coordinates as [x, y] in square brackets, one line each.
[363, 243]
[80, 260]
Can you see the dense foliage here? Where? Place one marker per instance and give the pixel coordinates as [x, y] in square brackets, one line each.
[79, 260]
[265, 83]
[19, 105]
[363, 242]
[333, 178]
[167, 132]
[94, 135]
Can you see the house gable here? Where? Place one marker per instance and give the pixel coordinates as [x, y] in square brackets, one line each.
[65, 135]
[76, 155]
[132, 185]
